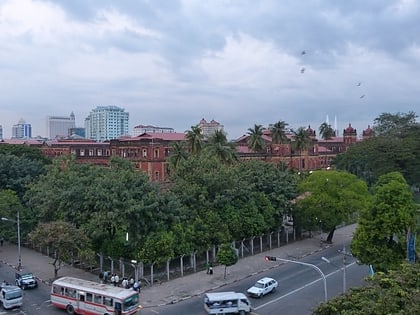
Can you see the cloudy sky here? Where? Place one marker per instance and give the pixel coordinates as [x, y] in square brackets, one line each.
[170, 63]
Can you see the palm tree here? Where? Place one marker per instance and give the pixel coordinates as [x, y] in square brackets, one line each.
[178, 154]
[255, 141]
[194, 139]
[278, 132]
[326, 131]
[219, 146]
[302, 141]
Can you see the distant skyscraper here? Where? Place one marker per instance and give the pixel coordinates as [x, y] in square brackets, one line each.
[106, 123]
[1, 132]
[21, 130]
[59, 126]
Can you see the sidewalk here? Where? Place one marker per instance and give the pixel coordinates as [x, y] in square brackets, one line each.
[181, 288]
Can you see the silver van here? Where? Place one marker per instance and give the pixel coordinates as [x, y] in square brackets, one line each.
[226, 303]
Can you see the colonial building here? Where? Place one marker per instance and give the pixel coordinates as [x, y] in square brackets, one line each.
[150, 151]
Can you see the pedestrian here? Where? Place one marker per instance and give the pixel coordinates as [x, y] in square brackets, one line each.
[124, 283]
[1, 241]
[136, 286]
[117, 281]
[208, 267]
[211, 269]
[131, 282]
[113, 279]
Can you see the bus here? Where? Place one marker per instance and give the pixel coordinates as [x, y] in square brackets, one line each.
[78, 296]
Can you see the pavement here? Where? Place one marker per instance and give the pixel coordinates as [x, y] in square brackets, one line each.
[185, 287]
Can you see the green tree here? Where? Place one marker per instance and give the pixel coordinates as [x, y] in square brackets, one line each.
[278, 132]
[177, 155]
[226, 256]
[218, 146]
[194, 139]
[255, 140]
[301, 142]
[64, 238]
[380, 237]
[393, 293]
[326, 131]
[329, 199]
[158, 248]
[393, 124]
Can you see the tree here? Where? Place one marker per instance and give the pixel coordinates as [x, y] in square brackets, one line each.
[65, 239]
[255, 140]
[278, 132]
[396, 292]
[394, 124]
[329, 198]
[302, 141]
[219, 147]
[395, 147]
[177, 155]
[194, 139]
[226, 256]
[326, 131]
[380, 237]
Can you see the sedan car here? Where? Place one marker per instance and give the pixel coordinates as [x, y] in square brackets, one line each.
[262, 287]
[26, 280]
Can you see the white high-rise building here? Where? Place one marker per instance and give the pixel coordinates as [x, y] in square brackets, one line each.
[59, 126]
[21, 130]
[106, 123]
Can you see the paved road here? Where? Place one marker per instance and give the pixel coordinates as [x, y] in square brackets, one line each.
[185, 287]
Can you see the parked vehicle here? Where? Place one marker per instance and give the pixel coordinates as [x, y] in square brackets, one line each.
[11, 296]
[262, 287]
[26, 280]
[227, 303]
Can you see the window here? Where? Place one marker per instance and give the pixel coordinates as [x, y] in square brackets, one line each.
[156, 155]
[156, 175]
[97, 299]
[107, 301]
[144, 152]
[89, 297]
[82, 152]
[90, 152]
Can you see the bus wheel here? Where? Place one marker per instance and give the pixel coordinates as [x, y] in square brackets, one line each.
[70, 309]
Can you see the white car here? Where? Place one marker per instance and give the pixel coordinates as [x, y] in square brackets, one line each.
[262, 287]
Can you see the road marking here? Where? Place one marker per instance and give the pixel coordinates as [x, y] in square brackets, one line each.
[301, 288]
[156, 312]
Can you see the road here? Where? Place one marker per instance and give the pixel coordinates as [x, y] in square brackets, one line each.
[301, 288]
[35, 301]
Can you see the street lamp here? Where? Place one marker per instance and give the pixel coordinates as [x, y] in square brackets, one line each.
[304, 264]
[344, 253]
[18, 236]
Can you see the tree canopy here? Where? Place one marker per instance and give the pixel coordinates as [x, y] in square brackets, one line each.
[380, 237]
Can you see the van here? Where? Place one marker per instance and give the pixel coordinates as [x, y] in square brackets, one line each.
[226, 303]
[11, 296]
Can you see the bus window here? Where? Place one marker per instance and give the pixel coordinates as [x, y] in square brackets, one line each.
[107, 301]
[98, 299]
[89, 297]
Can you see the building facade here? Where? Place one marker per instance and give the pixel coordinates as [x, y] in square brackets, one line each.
[106, 123]
[59, 126]
[209, 128]
[140, 129]
[21, 130]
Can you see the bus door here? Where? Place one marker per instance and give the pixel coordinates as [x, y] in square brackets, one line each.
[118, 308]
[81, 302]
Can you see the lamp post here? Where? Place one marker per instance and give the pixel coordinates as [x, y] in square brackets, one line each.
[304, 264]
[344, 253]
[18, 238]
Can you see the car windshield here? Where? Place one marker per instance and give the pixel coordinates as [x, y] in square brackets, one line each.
[27, 276]
[131, 302]
[259, 285]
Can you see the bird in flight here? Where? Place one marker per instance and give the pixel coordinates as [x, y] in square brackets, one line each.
[303, 52]
[359, 84]
[362, 96]
[302, 70]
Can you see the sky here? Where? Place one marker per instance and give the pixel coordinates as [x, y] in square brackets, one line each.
[170, 63]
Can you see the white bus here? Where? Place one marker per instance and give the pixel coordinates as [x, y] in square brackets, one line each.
[226, 303]
[84, 297]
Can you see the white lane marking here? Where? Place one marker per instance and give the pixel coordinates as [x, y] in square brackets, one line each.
[302, 287]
